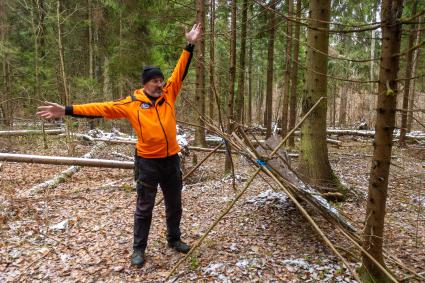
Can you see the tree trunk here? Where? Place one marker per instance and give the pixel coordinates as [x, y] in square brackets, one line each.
[343, 106]
[260, 98]
[314, 162]
[250, 77]
[413, 93]
[232, 73]
[65, 98]
[7, 83]
[372, 102]
[200, 74]
[107, 87]
[294, 76]
[270, 56]
[391, 12]
[288, 72]
[35, 32]
[241, 81]
[212, 59]
[408, 83]
[90, 38]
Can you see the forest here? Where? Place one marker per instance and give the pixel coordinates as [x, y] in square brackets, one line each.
[300, 123]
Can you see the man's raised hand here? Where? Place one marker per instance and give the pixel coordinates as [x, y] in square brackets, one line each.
[193, 35]
[51, 110]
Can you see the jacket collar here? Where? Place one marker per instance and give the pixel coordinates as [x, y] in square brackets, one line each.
[141, 96]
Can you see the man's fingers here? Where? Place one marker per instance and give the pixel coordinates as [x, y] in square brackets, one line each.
[44, 107]
[46, 115]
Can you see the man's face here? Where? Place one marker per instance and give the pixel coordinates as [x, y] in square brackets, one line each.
[154, 87]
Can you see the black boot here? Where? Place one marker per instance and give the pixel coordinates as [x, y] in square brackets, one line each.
[138, 258]
[179, 246]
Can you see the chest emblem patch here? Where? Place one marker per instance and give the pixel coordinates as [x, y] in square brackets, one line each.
[145, 105]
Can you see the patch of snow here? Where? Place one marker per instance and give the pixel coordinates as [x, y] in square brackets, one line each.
[212, 269]
[268, 196]
[416, 134]
[64, 258]
[15, 253]
[242, 263]
[247, 263]
[60, 226]
[223, 278]
[324, 272]
[239, 178]
[233, 247]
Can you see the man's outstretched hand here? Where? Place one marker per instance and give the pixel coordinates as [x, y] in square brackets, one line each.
[193, 35]
[51, 110]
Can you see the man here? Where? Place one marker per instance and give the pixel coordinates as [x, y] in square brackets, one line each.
[150, 111]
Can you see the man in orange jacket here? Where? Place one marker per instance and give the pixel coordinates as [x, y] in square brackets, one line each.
[150, 111]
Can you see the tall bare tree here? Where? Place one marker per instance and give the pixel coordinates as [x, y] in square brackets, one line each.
[232, 79]
[343, 95]
[200, 74]
[314, 161]
[288, 72]
[408, 83]
[250, 78]
[7, 83]
[65, 97]
[212, 59]
[242, 56]
[373, 232]
[270, 58]
[414, 69]
[294, 75]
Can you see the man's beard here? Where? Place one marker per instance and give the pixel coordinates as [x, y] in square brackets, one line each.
[157, 92]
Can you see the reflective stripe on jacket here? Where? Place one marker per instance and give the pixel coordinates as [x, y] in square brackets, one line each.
[155, 124]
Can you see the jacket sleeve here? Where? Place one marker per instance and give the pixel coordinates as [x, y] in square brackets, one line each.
[175, 82]
[110, 110]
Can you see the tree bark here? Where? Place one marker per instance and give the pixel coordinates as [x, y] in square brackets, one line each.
[342, 121]
[232, 78]
[7, 83]
[391, 12]
[408, 83]
[270, 56]
[294, 76]
[288, 72]
[314, 162]
[66, 99]
[200, 74]
[413, 93]
[212, 59]
[241, 82]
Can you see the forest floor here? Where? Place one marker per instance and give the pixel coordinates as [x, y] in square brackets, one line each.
[82, 229]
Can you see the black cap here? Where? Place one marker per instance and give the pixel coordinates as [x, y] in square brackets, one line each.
[150, 72]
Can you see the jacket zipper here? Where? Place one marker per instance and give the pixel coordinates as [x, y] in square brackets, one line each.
[162, 127]
[140, 125]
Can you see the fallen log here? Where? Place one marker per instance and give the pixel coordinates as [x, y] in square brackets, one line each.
[348, 132]
[30, 132]
[62, 176]
[60, 160]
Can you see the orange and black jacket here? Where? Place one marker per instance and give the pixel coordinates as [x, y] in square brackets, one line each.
[154, 123]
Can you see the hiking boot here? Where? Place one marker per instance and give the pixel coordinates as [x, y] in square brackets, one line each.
[179, 246]
[138, 258]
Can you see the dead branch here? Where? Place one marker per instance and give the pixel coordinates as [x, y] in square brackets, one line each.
[62, 176]
[30, 132]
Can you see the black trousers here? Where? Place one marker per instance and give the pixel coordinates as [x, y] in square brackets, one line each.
[149, 172]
